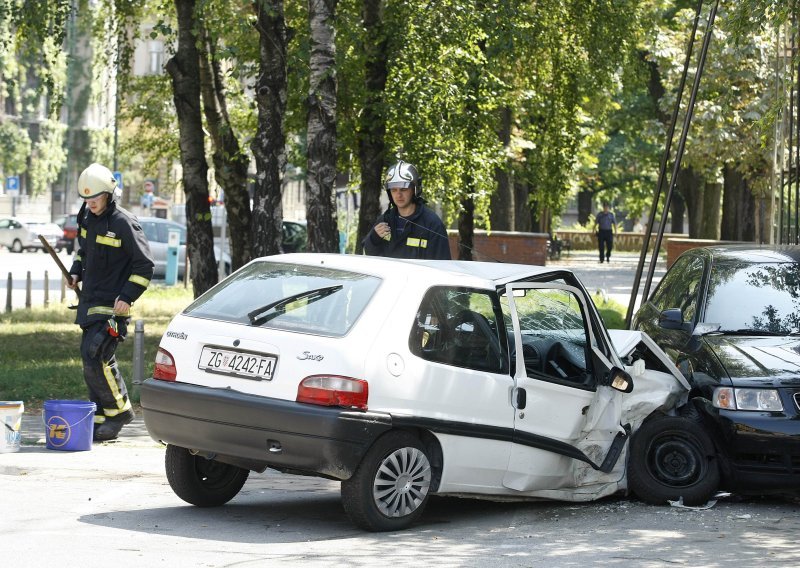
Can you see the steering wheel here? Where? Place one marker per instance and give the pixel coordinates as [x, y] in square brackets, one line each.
[482, 326]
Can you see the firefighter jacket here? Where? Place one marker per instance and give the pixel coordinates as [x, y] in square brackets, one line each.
[422, 236]
[113, 261]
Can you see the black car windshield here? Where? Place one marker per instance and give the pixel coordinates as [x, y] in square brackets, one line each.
[759, 298]
[292, 297]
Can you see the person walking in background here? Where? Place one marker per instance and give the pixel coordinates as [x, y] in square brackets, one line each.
[115, 265]
[408, 228]
[605, 225]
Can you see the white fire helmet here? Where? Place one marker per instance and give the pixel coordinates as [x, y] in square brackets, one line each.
[402, 175]
[97, 179]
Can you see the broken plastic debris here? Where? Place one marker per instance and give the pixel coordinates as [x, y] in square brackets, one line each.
[679, 504]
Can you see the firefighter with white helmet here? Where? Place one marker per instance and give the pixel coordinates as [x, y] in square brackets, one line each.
[114, 266]
[408, 228]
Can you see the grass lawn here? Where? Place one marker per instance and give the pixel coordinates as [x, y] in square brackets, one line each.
[40, 347]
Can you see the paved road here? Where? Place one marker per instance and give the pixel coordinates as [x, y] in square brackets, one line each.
[17, 266]
[614, 279]
[112, 506]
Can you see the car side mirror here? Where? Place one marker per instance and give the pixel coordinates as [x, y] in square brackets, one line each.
[672, 318]
[620, 380]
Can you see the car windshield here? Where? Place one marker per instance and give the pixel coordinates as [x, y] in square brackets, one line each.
[759, 298]
[307, 299]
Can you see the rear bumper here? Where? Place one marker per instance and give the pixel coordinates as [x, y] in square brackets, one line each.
[261, 431]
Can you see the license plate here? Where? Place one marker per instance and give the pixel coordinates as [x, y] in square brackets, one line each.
[248, 365]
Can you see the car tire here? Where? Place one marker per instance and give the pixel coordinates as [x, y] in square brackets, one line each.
[200, 481]
[391, 486]
[16, 246]
[672, 457]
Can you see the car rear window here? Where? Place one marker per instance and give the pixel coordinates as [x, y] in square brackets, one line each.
[292, 297]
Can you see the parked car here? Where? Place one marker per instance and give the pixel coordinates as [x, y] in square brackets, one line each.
[294, 236]
[69, 237]
[157, 232]
[19, 234]
[729, 317]
[404, 379]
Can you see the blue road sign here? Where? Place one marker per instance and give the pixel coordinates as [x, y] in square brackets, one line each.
[12, 185]
[118, 177]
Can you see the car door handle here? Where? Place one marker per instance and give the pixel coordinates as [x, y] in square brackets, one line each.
[520, 398]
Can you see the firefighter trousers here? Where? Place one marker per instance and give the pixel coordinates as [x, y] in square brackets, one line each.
[100, 372]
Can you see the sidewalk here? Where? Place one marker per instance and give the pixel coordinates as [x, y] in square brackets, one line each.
[613, 279]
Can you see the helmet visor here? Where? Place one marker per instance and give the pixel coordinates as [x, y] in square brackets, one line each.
[400, 185]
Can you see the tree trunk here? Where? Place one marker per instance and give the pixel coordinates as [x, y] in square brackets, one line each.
[677, 209]
[371, 135]
[184, 69]
[585, 205]
[690, 185]
[230, 163]
[502, 201]
[712, 201]
[522, 217]
[466, 228]
[269, 143]
[323, 235]
[738, 207]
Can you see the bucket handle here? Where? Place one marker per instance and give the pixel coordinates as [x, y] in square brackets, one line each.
[91, 413]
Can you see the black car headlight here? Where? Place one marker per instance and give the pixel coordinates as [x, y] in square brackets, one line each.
[731, 398]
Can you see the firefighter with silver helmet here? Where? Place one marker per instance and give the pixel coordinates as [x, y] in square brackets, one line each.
[114, 266]
[408, 228]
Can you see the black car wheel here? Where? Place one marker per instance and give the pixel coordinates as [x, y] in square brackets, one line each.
[390, 488]
[672, 457]
[201, 481]
[16, 246]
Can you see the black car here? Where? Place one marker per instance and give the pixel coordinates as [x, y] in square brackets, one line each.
[729, 317]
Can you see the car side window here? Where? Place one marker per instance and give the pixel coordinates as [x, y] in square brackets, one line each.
[555, 345]
[459, 327]
[680, 286]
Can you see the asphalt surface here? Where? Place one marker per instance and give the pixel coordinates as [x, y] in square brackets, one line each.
[112, 506]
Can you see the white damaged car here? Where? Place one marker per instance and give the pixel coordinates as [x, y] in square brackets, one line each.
[405, 379]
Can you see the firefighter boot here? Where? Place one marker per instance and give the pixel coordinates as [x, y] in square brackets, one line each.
[109, 430]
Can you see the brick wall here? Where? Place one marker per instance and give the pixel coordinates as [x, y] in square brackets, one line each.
[505, 246]
[623, 241]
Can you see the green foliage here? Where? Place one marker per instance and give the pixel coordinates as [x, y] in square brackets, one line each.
[612, 312]
[577, 76]
[15, 146]
[48, 156]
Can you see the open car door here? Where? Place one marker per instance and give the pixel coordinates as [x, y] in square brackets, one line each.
[567, 431]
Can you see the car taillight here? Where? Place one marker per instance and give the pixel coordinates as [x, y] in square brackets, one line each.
[165, 369]
[331, 390]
